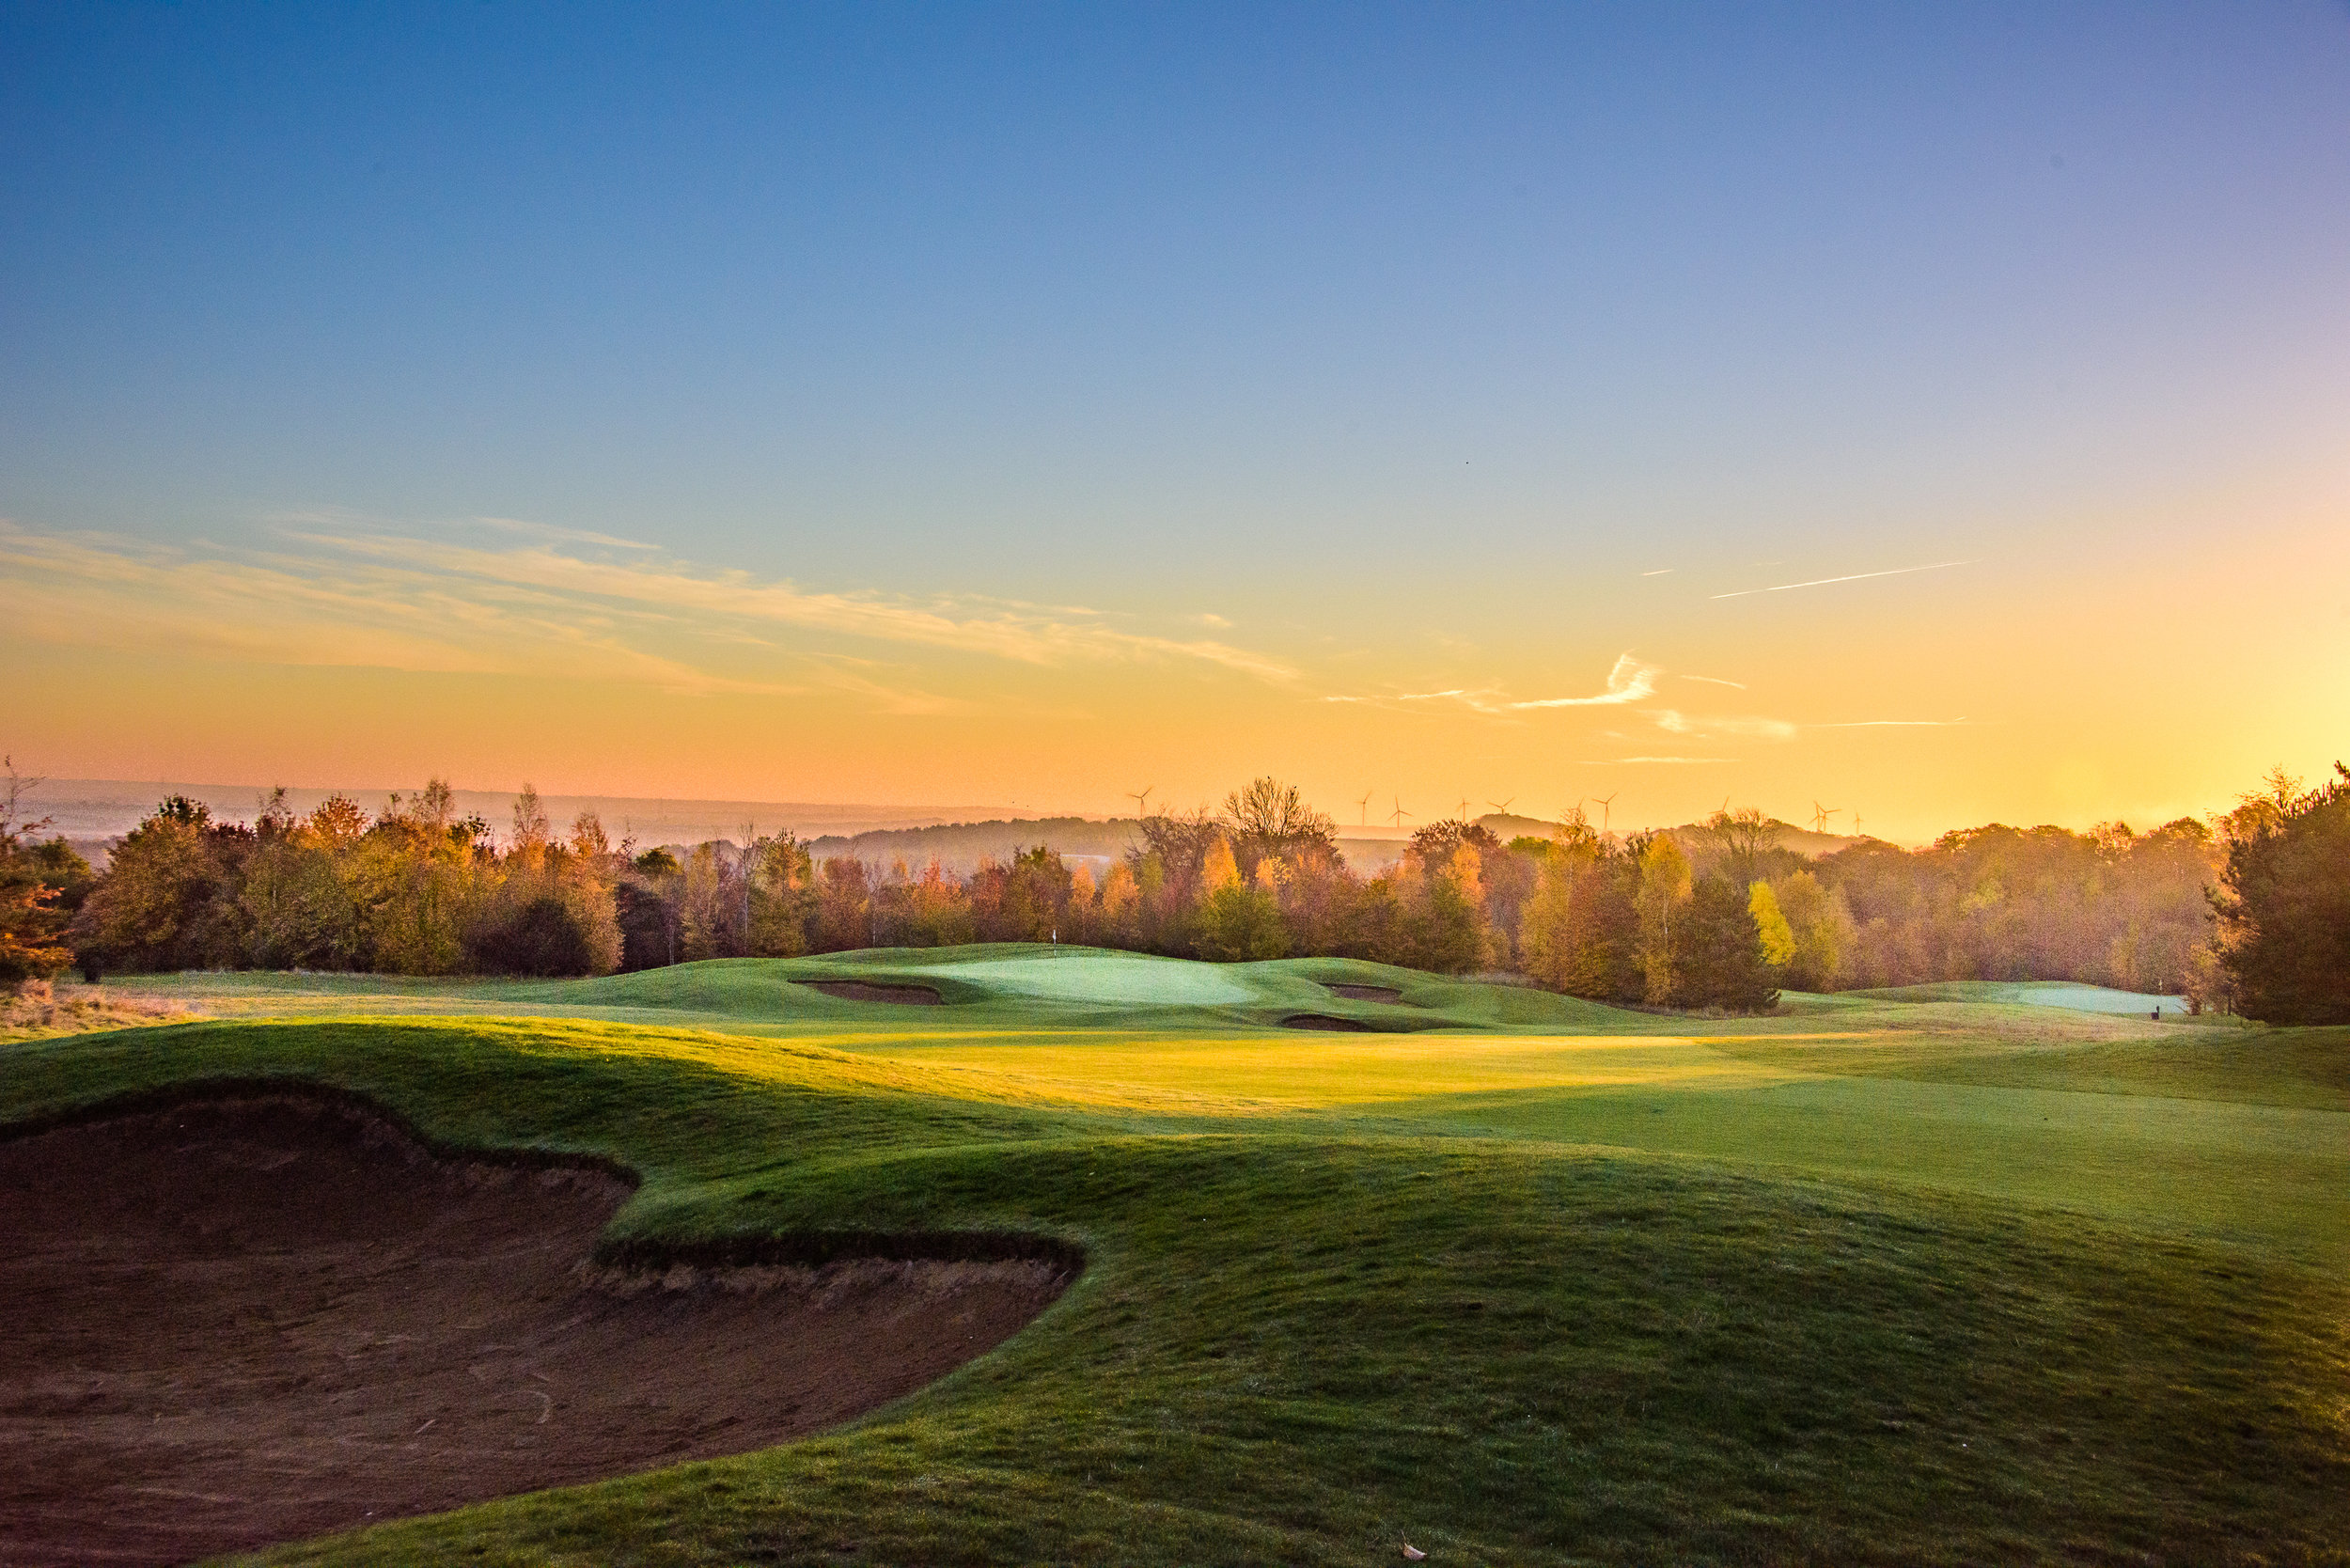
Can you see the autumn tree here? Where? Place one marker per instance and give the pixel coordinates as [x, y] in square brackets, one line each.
[1742, 839]
[41, 885]
[1268, 818]
[1021, 899]
[1167, 867]
[297, 891]
[843, 905]
[1664, 892]
[1581, 926]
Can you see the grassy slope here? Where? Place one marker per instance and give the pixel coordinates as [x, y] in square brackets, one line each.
[1789, 1298]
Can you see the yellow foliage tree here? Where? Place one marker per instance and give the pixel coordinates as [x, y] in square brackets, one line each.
[1779, 938]
[1219, 870]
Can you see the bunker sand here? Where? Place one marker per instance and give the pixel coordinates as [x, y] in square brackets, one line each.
[262, 1319]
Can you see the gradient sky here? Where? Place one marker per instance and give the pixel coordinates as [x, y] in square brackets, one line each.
[1032, 405]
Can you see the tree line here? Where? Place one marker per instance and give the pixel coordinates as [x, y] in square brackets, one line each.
[2246, 911]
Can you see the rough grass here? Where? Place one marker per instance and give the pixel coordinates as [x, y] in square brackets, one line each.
[40, 1009]
[1758, 1296]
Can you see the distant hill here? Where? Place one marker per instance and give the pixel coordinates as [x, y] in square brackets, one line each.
[961, 846]
[1801, 840]
[102, 808]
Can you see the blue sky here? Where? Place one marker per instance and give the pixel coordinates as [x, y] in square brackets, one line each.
[1390, 345]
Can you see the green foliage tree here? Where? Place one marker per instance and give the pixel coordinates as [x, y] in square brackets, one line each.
[1242, 921]
[2283, 905]
[167, 900]
[1718, 955]
[782, 895]
[645, 906]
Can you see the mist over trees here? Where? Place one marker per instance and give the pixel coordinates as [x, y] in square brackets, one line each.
[2250, 911]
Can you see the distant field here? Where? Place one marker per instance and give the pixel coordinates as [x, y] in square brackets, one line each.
[1950, 1275]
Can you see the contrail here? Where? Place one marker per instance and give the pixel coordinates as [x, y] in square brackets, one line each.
[1821, 582]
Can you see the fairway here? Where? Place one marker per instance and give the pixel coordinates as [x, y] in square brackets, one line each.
[1899, 1277]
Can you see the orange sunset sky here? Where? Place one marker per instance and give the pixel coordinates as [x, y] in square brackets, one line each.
[1942, 419]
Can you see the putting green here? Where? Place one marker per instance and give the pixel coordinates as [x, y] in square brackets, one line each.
[1094, 976]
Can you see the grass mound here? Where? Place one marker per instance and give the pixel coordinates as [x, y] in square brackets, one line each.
[1496, 1293]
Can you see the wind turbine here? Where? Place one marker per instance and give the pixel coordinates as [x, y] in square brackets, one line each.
[1501, 807]
[1820, 814]
[1399, 813]
[1464, 811]
[1606, 806]
[1139, 798]
[1363, 806]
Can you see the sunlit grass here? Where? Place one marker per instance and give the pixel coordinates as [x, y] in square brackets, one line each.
[1877, 1280]
[1318, 1072]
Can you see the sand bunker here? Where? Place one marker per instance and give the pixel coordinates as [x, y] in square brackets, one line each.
[1324, 1021]
[866, 990]
[1365, 993]
[261, 1319]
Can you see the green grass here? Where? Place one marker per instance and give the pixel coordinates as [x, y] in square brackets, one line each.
[1877, 1280]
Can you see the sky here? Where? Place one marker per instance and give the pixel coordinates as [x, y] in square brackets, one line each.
[1940, 415]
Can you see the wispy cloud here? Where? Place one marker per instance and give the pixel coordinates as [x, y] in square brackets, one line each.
[534, 599]
[1673, 721]
[1891, 724]
[1628, 682]
[560, 534]
[1852, 577]
[1030, 637]
[1717, 681]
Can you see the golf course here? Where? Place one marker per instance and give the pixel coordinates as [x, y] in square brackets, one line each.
[1344, 1258]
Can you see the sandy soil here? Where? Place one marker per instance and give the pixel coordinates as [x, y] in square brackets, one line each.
[864, 990]
[268, 1318]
